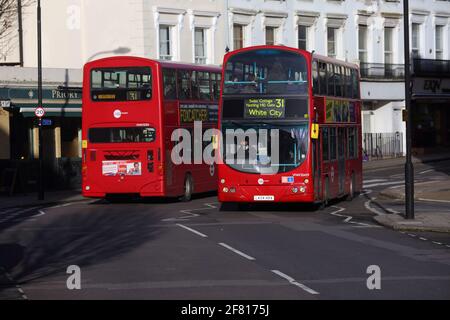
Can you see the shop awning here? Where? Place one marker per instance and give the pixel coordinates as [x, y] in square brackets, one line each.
[56, 102]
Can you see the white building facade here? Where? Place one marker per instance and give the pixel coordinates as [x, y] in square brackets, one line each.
[366, 32]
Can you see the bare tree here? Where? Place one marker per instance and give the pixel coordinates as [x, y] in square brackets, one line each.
[8, 23]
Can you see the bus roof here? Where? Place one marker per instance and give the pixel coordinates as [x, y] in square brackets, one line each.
[163, 63]
[286, 48]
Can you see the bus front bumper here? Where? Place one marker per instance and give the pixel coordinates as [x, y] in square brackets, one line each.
[268, 193]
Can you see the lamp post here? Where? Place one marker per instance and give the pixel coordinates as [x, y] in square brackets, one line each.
[409, 169]
[39, 54]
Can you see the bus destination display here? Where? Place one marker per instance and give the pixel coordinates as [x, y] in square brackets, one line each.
[265, 108]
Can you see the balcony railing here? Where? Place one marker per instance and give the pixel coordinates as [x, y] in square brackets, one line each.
[431, 68]
[382, 71]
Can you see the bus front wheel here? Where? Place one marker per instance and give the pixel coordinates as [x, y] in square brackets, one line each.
[188, 188]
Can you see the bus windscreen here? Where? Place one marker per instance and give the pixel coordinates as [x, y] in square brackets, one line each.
[266, 72]
[121, 84]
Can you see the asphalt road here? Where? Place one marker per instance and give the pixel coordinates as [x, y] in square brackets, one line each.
[164, 249]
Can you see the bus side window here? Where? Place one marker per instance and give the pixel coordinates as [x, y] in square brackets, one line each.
[355, 84]
[330, 79]
[195, 85]
[338, 80]
[323, 78]
[184, 84]
[315, 74]
[216, 85]
[333, 138]
[325, 145]
[204, 86]
[348, 83]
[170, 89]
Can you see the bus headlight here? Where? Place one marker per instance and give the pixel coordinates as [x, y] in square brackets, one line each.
[88, 188]
[225, 190]
[222, 181]
[302, 189]
[294, 190]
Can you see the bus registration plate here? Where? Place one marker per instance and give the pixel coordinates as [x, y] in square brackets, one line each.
[263, 198]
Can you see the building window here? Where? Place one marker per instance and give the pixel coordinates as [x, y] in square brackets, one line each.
[362, 43]
[165, 48]
[238, 36]
[270, 36]
[388, 44]
[302, 37]
[200, 45]
[439, 42]
[331, 41]
[415, 35]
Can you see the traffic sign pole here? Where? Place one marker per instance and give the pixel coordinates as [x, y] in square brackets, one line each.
[41, 151]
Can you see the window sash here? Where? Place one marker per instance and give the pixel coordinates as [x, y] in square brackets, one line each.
[164, 43]
[302, 37]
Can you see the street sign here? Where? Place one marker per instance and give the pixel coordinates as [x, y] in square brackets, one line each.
[39, 112]
[5, 103]
[47, 122]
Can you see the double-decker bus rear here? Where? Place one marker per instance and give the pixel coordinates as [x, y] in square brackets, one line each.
[122, 128]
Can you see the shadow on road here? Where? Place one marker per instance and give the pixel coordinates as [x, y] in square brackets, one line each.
[133, 198]
[81, 238]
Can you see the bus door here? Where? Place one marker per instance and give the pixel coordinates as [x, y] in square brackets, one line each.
[341, 158]
[316, 166]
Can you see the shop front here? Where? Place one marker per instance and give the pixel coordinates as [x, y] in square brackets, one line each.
[61, 135]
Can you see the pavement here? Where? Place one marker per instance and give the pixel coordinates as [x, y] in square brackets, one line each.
[31, 199]
[394, 162]
[435, 190]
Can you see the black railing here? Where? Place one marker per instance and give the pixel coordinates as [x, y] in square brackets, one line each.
[429, 67]
[382, 145]
[382, 71]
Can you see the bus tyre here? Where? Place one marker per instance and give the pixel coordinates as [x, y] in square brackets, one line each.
[351, 191]
[188, 188]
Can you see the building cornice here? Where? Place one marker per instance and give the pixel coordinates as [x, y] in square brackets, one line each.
[311, 14]
[169, 10]
[274, 14]
[247, 12]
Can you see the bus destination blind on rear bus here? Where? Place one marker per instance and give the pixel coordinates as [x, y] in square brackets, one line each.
[264, 108]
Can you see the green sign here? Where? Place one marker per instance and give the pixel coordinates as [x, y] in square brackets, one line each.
[265, 108]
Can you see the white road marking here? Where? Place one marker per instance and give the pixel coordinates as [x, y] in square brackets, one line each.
[392, 211]
[382, 184]
[189, 214]
[192, 230]
[348, 218]
[236, 251]
[412, 235]
[438, 243]
[293, 282]
[423, 239]
[368, 207]
[426, 171]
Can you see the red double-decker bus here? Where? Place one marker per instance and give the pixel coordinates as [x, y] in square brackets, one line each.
[309, 106]
[131, 106]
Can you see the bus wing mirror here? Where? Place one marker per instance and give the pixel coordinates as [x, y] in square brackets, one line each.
[315, 131]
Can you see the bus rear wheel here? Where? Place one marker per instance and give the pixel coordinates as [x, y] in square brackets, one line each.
[188, 188]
